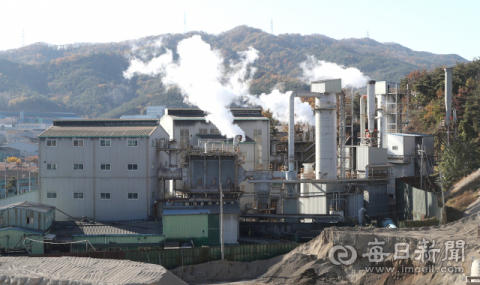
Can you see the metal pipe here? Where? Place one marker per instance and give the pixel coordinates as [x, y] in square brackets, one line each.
[362, 116]
[314, 181]
[361, 212]
[382, 120]
[170, 173]
[221, 205]
[291, 132]
[448, 100]
[371, 106]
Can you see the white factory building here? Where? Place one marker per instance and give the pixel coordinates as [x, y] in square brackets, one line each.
[100, 169]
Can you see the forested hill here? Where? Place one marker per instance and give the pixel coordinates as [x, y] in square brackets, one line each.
[87, 78]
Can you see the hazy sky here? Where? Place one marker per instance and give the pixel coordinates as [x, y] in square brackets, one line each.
[440, 26]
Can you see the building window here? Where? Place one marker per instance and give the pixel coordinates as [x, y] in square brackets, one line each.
[257, 136]
[132, 142]
[105, 142]
[105, 167]
[132, 167]
[51, 166]
[78, 166]
[394, 147]
[105, 196]
[51, 143]
[78, 143]
[214, 131]
[51, 195]
[132, 196]
[184, 138]
[203, 131]
[78, 195]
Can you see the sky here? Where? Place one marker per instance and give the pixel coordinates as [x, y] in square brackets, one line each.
[440, 26]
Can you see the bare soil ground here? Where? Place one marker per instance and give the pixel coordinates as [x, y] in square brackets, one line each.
[310, 263]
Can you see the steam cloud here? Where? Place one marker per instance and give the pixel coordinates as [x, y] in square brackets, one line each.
[314, 69]
[205, 83]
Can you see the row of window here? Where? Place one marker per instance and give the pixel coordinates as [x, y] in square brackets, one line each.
[103, 196]
[103, 166]
[205, 131]
[79, 143]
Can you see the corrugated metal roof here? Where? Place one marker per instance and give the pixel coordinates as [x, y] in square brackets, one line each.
[173, 212]
[25, 205]
[33, 231]
[204, 209]
[119, 131]
[178, 118]
[78, 228]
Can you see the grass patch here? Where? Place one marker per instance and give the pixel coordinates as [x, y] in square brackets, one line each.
[462, 201]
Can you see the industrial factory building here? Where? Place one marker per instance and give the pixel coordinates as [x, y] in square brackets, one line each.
[181, 170]
[100, 169]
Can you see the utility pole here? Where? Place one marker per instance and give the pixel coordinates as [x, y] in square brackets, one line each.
[444, 214]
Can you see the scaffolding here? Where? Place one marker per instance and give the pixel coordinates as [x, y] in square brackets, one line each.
[345, 133]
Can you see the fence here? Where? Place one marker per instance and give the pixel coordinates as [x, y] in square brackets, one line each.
[172, 258]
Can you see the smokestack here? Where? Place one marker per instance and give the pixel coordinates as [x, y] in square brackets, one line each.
[448, 95]
[326, 127]
[382, 118]
[371, 105]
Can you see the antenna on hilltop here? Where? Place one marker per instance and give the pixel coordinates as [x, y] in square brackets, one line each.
[368, 35]
[184, 22]
[23, 38]
[271, 26]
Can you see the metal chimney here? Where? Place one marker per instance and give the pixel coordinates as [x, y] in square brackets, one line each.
[371, 106]
[448, 95]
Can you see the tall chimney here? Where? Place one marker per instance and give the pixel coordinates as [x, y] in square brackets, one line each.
[371, 105]
[448, 95]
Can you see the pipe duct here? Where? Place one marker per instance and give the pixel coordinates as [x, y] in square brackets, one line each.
[170, 173]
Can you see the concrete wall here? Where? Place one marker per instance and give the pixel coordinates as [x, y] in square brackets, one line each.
[33, 196]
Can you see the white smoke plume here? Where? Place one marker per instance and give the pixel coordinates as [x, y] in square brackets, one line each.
[204, 82]
[277, 103]
[314, 69]
[199, 73]
[155, 66]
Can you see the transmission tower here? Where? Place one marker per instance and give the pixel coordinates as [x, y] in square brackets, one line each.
[271, 26]
[184, 22]
[23, 38]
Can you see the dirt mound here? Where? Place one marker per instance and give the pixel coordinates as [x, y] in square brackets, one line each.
[310, 263]
[224, 270]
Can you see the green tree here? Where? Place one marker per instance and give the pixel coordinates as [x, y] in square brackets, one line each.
[11, 186]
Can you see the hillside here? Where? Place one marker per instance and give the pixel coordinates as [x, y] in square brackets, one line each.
[87, 78]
